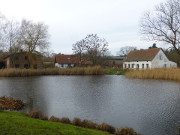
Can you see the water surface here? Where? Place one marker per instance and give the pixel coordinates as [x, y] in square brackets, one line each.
[151, 107]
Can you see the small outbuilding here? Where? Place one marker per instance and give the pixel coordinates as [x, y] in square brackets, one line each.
[147, 58]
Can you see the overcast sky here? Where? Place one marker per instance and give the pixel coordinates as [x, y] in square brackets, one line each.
[71, 20]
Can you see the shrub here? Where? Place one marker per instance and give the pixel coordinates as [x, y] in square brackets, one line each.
[10, 103]
[126, 131]
[77, 122]
[89, 124]
[37, 115]
[65, 120]
[44, 118]
[106, 127]
[54, 119]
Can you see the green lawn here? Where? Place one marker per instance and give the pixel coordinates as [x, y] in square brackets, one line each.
[17, 123]
[114, 71]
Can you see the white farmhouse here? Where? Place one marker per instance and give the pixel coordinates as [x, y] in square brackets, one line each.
[149, 58]
[66, 61]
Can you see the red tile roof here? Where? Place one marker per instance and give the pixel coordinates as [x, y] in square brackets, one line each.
[142, 55]
[66, 59]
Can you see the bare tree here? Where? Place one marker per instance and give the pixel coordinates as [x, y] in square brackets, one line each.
[3, 21]
[11, 36]
[79, 49]
[33, 37]
[93, 47]
[163, 24]
[96, 48]
[125, 50]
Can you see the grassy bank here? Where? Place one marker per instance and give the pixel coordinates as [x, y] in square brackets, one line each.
[19, 123]
[114, 71]
[159, 73]
[96, 70]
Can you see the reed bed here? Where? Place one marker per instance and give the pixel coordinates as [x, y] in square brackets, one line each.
[158, 73]
[95, 70]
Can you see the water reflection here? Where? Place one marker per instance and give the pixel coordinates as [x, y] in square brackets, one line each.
[149, 106]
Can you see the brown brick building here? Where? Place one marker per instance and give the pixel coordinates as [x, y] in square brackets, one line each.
[22, 60]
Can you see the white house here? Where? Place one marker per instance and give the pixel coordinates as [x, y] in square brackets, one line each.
[69, 61]
[66, 61]
[148, 58]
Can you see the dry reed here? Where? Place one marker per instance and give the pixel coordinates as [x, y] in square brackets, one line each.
[37, 115]
[96, 70]
[84, 123]
[8, 103]
[158, 73]
[126, 131]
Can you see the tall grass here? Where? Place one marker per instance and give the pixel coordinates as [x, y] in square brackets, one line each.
[158, 73]
[96, 70]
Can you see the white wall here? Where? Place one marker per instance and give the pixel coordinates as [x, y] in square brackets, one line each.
[63, 65]
[160, 61]
[147, 64]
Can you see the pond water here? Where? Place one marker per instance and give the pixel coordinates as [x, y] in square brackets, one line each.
[151, 107]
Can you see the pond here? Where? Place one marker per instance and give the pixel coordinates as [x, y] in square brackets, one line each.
[151, 107]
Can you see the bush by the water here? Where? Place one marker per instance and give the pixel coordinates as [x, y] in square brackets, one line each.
[8, 103]
[158, 73]
[89, 124]
[126, 131]
[54, 119]
[76, 122]
[65, 120]
[37, 114]
[106, 127]
[95, 70]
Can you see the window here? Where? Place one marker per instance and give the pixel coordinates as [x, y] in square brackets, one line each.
[160, 57]
[165, 65]
[142, 65]
[129, 66]
[132, 65]
[26, 57]
[62, 65]
[124, 65]
[26, 66]
[69, 66]
[147, 65]
[16, 65]
[113, 62]
[137, 66]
